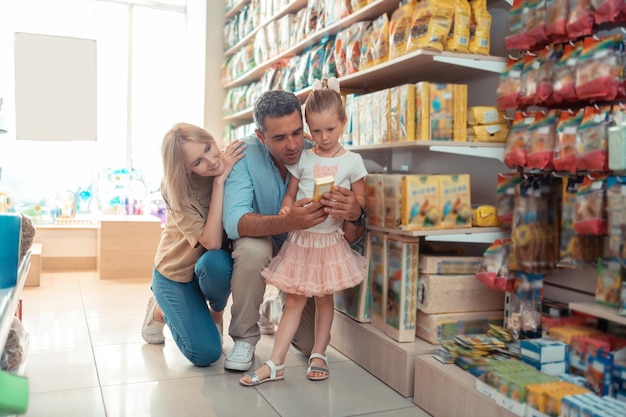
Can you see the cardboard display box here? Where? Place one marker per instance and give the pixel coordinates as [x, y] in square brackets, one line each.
[456, 294]
[436, 328]
[402, 276]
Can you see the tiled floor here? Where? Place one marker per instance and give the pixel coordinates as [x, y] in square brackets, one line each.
[87, 358]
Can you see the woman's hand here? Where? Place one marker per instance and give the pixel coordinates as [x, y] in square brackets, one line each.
[234, 152]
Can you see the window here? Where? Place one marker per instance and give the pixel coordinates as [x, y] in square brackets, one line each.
[145, 83]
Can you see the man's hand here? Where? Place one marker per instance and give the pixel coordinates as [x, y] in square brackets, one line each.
[341, 203]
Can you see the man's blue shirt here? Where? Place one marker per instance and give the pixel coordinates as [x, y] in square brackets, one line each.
[253, 186]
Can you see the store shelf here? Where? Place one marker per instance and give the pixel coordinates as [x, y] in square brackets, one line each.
[421, 65]
[291, 8]
[371, 11]
[478, 149]
[9, 299]
[599, 310]
[461, 235]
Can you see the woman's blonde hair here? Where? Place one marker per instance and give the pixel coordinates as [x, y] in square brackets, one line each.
[176, 177]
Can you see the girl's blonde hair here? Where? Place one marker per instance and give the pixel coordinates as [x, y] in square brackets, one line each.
[324, 99]
[176, 177]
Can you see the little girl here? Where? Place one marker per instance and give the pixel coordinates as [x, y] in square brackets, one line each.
[315, 262]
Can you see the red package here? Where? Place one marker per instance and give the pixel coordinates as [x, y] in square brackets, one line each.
[580, 21]
[542, 141]
[592, 140]
[564, 158]
[517, 141]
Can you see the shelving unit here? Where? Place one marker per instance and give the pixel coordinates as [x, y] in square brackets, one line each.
[392, 362]
[411, 68]
[9, 300]
[600, 311]
[461, 235]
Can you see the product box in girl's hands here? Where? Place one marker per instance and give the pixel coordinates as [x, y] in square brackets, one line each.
[10, 240]
[402, 276]
[377, 243]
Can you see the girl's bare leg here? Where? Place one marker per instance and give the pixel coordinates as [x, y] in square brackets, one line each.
[294, 304]
[324, 313]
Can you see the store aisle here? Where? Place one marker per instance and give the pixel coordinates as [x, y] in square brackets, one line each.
[87, 358]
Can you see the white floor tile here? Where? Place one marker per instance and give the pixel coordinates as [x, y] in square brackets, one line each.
[86, 356]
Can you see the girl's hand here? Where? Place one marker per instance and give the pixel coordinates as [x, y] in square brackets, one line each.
[233, 153]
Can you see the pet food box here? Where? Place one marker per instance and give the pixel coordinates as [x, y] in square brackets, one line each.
[436, 328]
[441, 111]
[377, 244]
[455, 201]
[375, 197]
[392, 188]
[402, 120]
[10, 240]
[456, 294]
[356, 301]
[449, 265]
[402, 282]
[420, 202]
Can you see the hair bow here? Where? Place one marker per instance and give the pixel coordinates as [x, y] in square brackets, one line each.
[331, 83]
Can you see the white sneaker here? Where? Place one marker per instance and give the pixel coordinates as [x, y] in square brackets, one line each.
[240, 357]
[152, 330]
[265, 326]
[272, 306]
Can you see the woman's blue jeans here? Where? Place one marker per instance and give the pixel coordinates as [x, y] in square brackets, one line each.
[185, 306]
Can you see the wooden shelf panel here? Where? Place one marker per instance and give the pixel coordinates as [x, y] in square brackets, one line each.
[599, 310]
[436, 384]
[390, 361]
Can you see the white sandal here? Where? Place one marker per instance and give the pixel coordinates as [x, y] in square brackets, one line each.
[319, 369]
[254, 378]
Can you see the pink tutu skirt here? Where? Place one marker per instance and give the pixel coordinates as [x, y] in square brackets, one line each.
[315, 264]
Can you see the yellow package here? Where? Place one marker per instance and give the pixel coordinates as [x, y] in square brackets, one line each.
[420, 202]
[384, 97]
[460, 113]
[366, 59]
[380, 37]
[488, 133]
[405, 114]
[418, 31]
[434, 108]
[455, 201]
[480, 27]
[458, 38]
[485, 115]
[399, 29]
[485, 216]
[436, 16]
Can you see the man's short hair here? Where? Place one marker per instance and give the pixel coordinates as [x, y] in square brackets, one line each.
[275, 103]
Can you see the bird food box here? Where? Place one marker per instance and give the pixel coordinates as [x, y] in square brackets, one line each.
[402, 281]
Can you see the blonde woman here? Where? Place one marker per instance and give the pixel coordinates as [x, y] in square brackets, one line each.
[192, 263]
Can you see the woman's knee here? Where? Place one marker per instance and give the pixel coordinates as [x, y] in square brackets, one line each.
[218, 262]
[205, 357]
